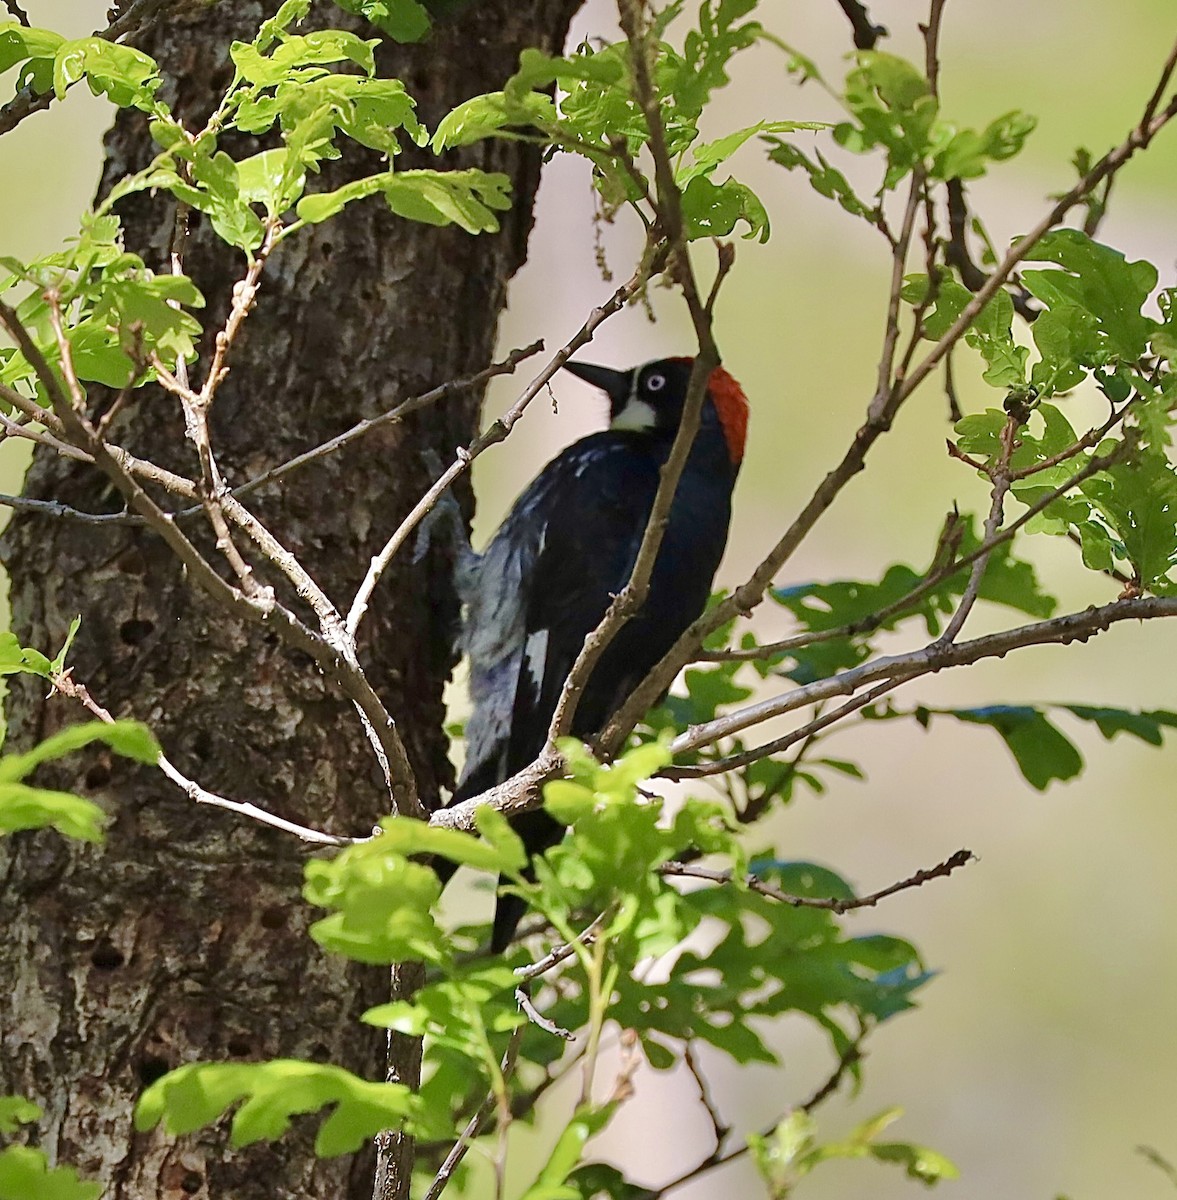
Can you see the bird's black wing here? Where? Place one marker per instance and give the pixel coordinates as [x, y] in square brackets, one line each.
[592, 526]
[592, 521]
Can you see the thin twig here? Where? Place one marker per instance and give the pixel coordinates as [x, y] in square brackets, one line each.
[554, 957]
[442, 392]
[931, 32]
[720, 1158]
[628, 602]
[829, 903]
[475, 1124]
[19, 13]
[866, 32]
[779, 745]
[68, 686]
[537, 1018]
[719, 1127]
[935, 577]
[999, 476]
[263, 608]
[360, 429]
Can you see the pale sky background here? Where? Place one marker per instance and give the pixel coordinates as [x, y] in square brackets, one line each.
[1045, 1051]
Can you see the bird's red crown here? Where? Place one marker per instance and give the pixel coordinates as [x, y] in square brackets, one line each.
[731, 406]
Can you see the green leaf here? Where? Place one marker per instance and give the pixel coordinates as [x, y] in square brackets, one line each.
[58, 663]
[1067, 338]
[323, 205]
[125, 75]
[25, 1174]
[968, 153]
[461, 1013]
[273, 178]
[825, 179]
[567, 1153]
[25, 807]
[320, 48]
[707, 156]
[1101, 282]
[1042, 752]
[129, 738]
[16, 659]
[714, 210]
[464, 198]
[919, 1162]
[467, 198]
[198, 1094]
[19, 44]
[496, 829]
[401, 20]
[991, 333]
[382, 904]
[288, 14]
[410, 838]
[1148, 726]
[1138, 500]
[485, 115]
[16, 1111]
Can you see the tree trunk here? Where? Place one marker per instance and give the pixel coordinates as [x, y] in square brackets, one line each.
[183, 937]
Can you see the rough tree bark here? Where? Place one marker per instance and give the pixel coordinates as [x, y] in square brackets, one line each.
[183, 937]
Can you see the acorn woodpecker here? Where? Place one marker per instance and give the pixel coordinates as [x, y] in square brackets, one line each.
[565, 549]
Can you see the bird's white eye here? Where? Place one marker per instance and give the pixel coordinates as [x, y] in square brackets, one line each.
[655, 383]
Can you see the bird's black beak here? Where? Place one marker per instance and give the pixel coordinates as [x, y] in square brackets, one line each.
[615, 384]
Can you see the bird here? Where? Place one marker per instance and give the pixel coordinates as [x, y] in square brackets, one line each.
[564, 550]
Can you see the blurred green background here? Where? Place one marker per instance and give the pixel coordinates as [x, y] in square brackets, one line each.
[1046, 1051]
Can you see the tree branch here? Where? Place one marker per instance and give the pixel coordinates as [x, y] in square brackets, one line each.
[632, 596]
[830, 904]
[263, 608]
[1073, 627]
[65, 683]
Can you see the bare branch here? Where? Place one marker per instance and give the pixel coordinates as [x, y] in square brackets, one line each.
[553, 958]
[537, 1018]
[831, 904]
[999, 475]
[68, 686]
[397, 413]
[804, 733]
[19, 13]
[519, 794]
[262, 608]
[1073, 627]
[719, 1158]
[391, 416]
[937, 576]
[632, 596]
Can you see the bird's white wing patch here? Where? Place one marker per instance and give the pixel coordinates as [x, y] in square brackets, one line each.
[535, 654]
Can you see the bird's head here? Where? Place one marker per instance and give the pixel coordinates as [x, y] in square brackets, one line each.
[651, 398]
